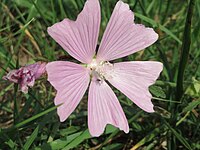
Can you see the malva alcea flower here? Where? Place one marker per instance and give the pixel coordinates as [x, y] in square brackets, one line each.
[122, 37]
[26, 76]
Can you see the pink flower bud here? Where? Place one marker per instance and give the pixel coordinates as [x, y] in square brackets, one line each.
[26, 76]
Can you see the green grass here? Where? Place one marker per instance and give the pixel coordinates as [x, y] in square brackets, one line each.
[29, 121]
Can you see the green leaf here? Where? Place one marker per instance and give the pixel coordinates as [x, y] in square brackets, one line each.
[83, 136]
[115, 146]
[149, 137]
[185, 50]
[86, 135]
[178, 136]
[59, 143]
[110, 129]
[31, 138]
[161, 27]
[35, 117]
[23, 3]
[191, 106]
[72, 140]
[6, 89]
[157, 91]
[194, 89]
[11, 144]
[69, 130]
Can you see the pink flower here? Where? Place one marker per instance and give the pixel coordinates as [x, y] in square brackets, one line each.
[26, 76]
[122, 37]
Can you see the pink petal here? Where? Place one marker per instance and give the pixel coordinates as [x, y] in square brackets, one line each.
[71, 81]
[134, 78]
[26, 76]
[38, 69]
[122, 37]
[104, 108]
[12, 76]
[24, 89]
[79, 38]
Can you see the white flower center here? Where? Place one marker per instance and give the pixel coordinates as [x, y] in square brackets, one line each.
[100, 71]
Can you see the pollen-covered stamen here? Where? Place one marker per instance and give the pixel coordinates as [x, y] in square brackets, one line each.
[102, 70]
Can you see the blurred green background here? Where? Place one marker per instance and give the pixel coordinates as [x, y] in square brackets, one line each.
[29, 121]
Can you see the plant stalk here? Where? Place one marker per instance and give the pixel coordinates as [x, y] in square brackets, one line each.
[184, 51]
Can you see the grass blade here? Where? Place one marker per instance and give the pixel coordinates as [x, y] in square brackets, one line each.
[31, 138]
[161, 27]
[35, 117]
[178, 136]
[184, 51]
[147, 138]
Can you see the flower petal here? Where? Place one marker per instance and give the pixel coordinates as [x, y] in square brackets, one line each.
[134, 78]
[26, 76]
[122, 37]
[12, 76]
[24, 88]
[71, 81]
[104, 108]
[79, 38]
[38, 69]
